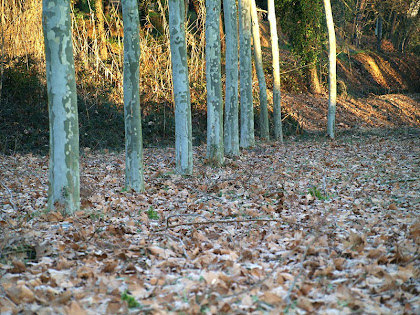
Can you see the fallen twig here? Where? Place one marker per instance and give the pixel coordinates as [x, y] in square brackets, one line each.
[227, 221]
[402, 180]
[10, 199]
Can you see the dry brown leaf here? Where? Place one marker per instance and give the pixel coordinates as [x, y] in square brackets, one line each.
[271, 298]
[75, 309]
[305, 304]
[18, 265]
[110, 266]
[20, 294]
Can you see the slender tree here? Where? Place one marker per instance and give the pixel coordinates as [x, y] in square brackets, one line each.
[64, 176]
[132, 116]
[214, 84]
[265, 132]
[183, 128]
[301, 20]
[378, 32]
[99, 10]
[231, 131]
[278, 129]
[332, 79]
[357, 24]
[247, 138]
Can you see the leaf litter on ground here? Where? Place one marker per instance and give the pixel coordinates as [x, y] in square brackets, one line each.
[312, 226]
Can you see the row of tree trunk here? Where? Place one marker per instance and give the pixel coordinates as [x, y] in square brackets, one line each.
[64, 188]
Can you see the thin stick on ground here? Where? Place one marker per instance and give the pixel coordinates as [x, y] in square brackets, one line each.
[227, 222]
[10, 199]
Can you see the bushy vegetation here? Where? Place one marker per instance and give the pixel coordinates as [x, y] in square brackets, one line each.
[98, 59]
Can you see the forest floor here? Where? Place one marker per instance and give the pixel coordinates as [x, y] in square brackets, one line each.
[308, 226]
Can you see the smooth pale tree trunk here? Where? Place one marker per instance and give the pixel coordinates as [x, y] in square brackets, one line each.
[265, 132]
[64, 174]
[278, 129]
[247, 138]
[132, 116]
[231, 129]
[332, 79]
[183, 128]
[214, 84]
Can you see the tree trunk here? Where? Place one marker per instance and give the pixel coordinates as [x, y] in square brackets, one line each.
[247, 138]
[332, 77]
[182, 97]
[379, 34]
[357, 27]
[64, 174]
[313, 80]
[132, 116]
[99, 9]
[214, 84]
[393, 26]
[265, 133]
[412, 13]
[231, 130]
[278, 130]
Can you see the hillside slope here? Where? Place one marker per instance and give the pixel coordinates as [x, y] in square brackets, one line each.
[376, 90]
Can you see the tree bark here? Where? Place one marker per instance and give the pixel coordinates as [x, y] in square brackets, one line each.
[265, 132]
[231, 129]
[332, 72]
[357, 27]
[278, 129]
[64, 174]
[132, 115]
[214, 84]
[313, 80]
[182, 97]
[379, 34]
[247, 138]
[99, 9]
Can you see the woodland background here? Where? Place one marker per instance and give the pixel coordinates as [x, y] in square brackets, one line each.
[363, 69]
[309, 226]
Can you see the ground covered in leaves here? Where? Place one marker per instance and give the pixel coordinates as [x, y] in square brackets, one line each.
[311, 226]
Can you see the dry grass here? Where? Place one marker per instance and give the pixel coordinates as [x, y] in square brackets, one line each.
[22, 28]
[23, 37]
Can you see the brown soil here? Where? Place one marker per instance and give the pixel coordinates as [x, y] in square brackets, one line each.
[374, 111]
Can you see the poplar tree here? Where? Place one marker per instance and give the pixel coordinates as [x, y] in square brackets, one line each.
[247, 138]
[182, 97]
[132, 115]
[332, 75]
[214, 84]
[265, 133]
[278, 129]
[64, 174]
[231, 129]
